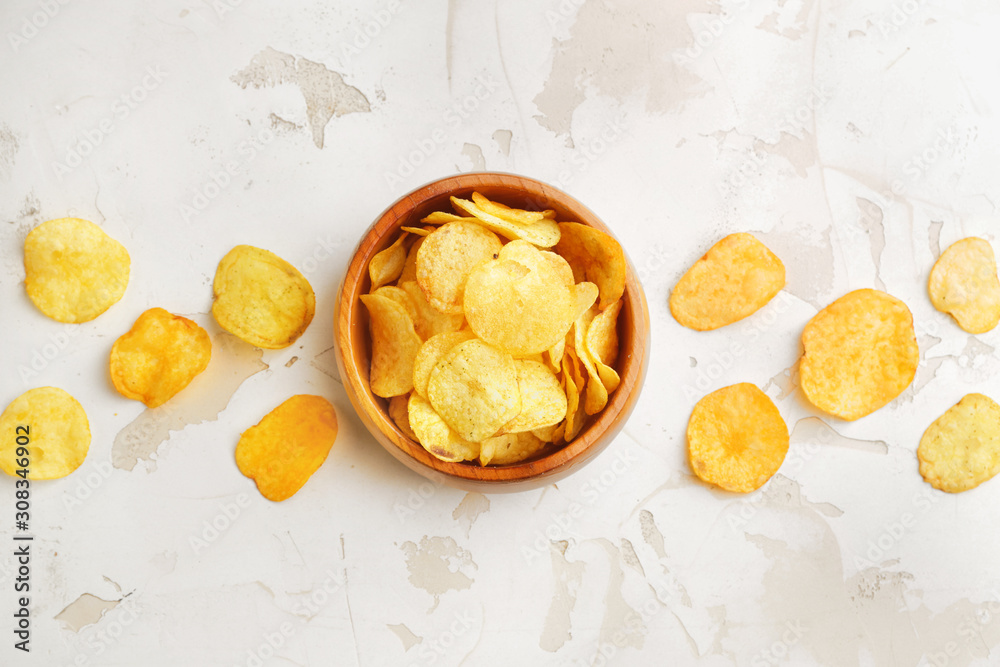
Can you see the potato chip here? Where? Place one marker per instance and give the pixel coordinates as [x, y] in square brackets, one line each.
[736, 438]
[447, 257]
[961, 449]
[860, 352]
[288, 445]
[733, 280]
[441, 217]
[387, 264]
[431, 352]
[547, 433]
[509, 449]
[419, 231]
[555, 353]
[474, 389]
[158, 357]
[73, 270]
[964, 284]
[399, 411]
[394, 346]
[597, 394]
[575, 416]
[602, 336]
[522, 307]
[515, 215]
[595, 257]
[428, 320]
[401, 297]
[52, 426]
[543, 401]
[436, 436]
[543, 234]
[261, 298]
[410, 266]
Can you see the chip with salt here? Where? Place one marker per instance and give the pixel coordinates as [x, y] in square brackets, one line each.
[543, 402]
[447, 257]
[964, 284]
[436, 436]
[45, 433]
[961, 449]
[595, 257]
[431, 352]
[509, 449]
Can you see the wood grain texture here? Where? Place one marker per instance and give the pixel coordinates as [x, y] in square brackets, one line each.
[354, 346]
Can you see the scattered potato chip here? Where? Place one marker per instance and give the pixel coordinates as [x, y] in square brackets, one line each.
[399, 411]
[474, 389]
[431, 352]
[595, 257]
[961, 449]
[602, 336]
[447, 257]
[520, 308]
[515, 215]
[543, 402]
[394, 346]
[261, 298]
[509, 449]
[73, 270]
[736, 438]
[288, 445]
[52, 426]
[434, 434]
[860, 352]
[410, 266]
[737, 277]
[387, 264]
[428, 320]
[544, 233]
[964, 284]
[158, 357]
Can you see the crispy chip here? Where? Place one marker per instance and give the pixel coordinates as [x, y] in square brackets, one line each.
[428, 320]
[961, 449]
[394, 346]
[736, 438]
[52, 426]
[543, 234]
[441, 217]
[73, 270]
[158, 357]
[575, 416]
[597, 393]
[431, 352]
[515, 215]
[733, 280]
[860, 352]
[547, 433]
[543, 401]
[419, 231]
[474, 389]
[602, 336]
[261, 298]
[509, 449]
[410, 266]
[399, 411]
[964, 284]
[522, 308]
[447, 257]
[400, 296]
[595, 257]
[288, 445]
[387, 264]
[436, 436]
[554, 355]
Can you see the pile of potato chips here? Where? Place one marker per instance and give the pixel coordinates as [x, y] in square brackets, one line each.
[486, 331]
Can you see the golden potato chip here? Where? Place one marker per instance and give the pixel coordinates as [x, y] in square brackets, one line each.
[575, 416]
[519, 308]
[400, 296]
[515, 215]
[860, 352]
[509, 449]
[736, 438]
[544, 233]
[436, 436]
[431, 352]
[158, 357]
[419, 231]
[447, 257]
[602, 336]
[394, 346]
[597, 392]
[261, 298]
[543, 401]
[73, 270]
[288, 445]
[474, 389]
[733, 280]
[399, 411]
[595, 257]
[554, 355]
[44, 432]
[964, 284]
[547, 433]
[961, 449]
[410, 266]
[441, 217]
[387, 264]
[428, 320]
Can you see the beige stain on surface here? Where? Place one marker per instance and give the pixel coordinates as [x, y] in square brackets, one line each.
[8, 152]
[567, 579]
[85, 610]
[815, 430]
[467, 511]
[405, 635]
[438, 565]
[502, 139]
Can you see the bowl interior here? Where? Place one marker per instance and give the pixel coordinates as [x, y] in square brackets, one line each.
[355, 345]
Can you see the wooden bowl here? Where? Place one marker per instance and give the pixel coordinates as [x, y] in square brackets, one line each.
[354, 346]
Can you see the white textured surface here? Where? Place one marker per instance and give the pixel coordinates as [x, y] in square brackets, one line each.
[856, 138]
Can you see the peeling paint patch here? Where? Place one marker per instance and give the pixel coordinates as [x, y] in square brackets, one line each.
[568, 577]
[502, 139]
[438, 565]
[405, 635]
[8, 152]
[651, 534]
[870, 219]
[472, 505]
[85, 610]
[815, 430]
[326, 363]
[934, 238]
[475, 155]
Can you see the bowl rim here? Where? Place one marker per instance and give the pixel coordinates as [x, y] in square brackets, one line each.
[600, 430]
